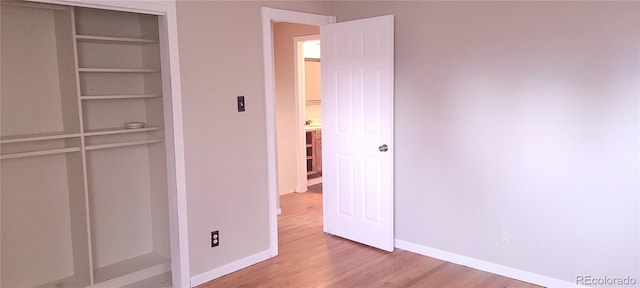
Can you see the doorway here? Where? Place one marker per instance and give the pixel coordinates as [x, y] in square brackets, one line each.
[308, 93]
[269, 17]
[358, 77]
[298, 122]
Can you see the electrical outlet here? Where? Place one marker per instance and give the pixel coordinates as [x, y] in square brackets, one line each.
[505, 238]
[215, 238]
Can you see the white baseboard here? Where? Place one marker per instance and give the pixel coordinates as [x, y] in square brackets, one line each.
[411, 247]
[230, 268]
[483, 265]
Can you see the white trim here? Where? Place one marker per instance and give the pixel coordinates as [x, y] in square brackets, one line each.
[638, 159]
[300, 103]
[269, 15]
[145, 7]
[178, 222]
[299, 89]
[483, 265]
[230, 268]
[36, 5]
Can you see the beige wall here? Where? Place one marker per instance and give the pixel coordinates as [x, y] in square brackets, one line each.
[520, 116]
[517, 116]
[313, 111]
[286, 123]
[225, 151]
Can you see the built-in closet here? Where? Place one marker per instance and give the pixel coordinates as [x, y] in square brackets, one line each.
[84, 199]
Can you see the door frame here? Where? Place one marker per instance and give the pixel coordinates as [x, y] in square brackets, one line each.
[301, 103]
[270, 15]
[174, 132]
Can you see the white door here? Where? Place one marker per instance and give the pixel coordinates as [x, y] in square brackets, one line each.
[357, 130]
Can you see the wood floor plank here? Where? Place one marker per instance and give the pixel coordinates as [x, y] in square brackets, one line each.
[310, 258]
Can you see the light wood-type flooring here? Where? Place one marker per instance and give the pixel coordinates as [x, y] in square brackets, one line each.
[310, 258]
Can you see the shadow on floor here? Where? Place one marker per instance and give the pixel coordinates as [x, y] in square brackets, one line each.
[315, 188]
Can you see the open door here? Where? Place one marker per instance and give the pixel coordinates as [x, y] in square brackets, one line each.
[357, 108]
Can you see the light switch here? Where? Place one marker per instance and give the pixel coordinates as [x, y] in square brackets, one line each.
[241, 106]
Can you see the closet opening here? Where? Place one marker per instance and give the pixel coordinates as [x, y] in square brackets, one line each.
[86, 134]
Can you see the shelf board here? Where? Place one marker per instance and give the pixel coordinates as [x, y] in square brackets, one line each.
[123, 144]
[159, 281]
[119, 70]
[39, 153]
[117, 40]
[36, 5]
[37, 137]
[131, 270]
[129, 96]
[111, 131]
[73, 281]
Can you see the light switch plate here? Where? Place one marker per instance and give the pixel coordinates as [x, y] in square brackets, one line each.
[241, 106]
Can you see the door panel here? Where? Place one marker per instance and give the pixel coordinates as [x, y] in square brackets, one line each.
[357, 87]
[371, 190]
[345, 189]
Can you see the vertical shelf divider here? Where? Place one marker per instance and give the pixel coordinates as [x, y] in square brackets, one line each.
[83, 150]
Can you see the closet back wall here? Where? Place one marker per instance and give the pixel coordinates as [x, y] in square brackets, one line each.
[42, 197]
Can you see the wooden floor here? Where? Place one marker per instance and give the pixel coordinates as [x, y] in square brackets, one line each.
[310, 258]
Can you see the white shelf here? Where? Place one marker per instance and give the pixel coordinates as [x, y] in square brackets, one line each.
[131, 270]
[123, 144]
[73, 281]
[119, 40]
[97, 132]
[36, 5]
[37, 137]
[119, 70]
[129, 96]
[39, 153]
[159, 281]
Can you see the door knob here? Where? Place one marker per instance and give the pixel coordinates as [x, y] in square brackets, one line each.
[383, 148]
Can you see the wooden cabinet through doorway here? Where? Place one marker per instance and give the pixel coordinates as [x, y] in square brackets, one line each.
[314, 153]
